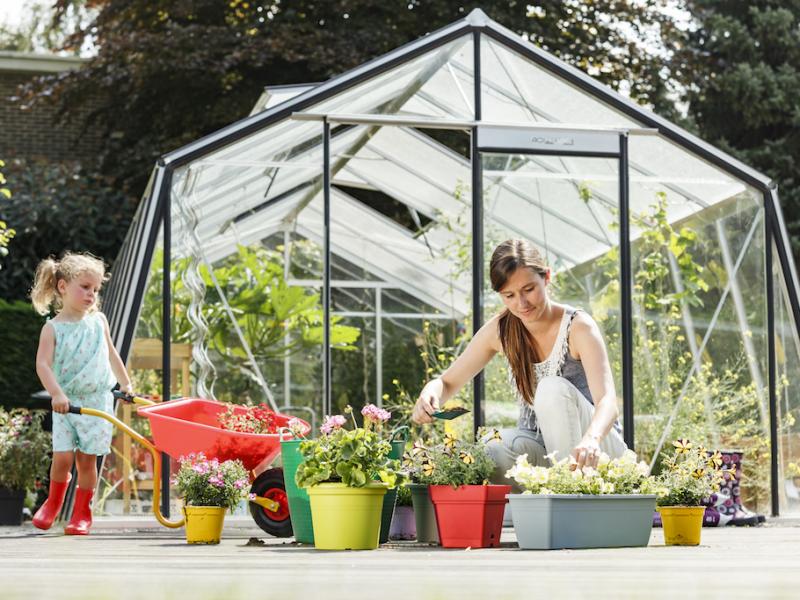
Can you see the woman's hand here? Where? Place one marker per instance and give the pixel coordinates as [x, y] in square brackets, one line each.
[60, 404]
[586, 453]
[427, 403]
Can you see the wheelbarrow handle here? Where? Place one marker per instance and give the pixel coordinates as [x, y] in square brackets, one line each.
[75, 410]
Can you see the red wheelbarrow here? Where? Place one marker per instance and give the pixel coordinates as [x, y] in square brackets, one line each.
[190, 425]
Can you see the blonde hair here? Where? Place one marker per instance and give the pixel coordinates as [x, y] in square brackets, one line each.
[44, 293]
[517, 346]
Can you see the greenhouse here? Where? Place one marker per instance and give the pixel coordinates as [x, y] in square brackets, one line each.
[332, 249]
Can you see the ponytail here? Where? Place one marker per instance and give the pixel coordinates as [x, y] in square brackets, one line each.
[519, 352]
[45, 292]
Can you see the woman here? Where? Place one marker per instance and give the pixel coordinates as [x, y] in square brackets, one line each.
[559, 369]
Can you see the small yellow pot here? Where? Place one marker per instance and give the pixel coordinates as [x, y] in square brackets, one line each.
[682, 524]
[204, 524]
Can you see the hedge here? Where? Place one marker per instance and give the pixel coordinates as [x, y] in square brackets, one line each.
[20, 327]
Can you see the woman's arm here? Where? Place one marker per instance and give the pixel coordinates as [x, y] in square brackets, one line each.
[480, 350]
[117, 366]
[586, 341]
[44, 369]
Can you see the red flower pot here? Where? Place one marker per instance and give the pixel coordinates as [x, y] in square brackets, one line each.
[470, 516]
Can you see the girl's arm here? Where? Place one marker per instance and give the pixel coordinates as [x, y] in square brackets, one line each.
[44, 369]
[117, 366]
[587, 342]
[480, 350]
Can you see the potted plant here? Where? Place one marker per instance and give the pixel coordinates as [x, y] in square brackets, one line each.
[469, 511]
[688, 475]
[419, 464]
[209, 488]
[299, 503]
[566, 507]
[403, 525]
[24, 456]
[346, 474]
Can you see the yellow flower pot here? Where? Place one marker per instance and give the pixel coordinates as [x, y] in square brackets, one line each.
[682, 524]
[204, 524]
[346, 518]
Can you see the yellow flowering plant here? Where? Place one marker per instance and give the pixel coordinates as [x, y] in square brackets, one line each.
[451, 462]
[689, 474]
[622, 475]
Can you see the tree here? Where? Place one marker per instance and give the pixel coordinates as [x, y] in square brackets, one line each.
[740, 65]
[170, 71]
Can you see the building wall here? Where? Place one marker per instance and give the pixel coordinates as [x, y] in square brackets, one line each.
[35, 133]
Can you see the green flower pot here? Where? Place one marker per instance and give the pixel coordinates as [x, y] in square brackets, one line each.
[299, 504]
[389, 500]
[424, 514]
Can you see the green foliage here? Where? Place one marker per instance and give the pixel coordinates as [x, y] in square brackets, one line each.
[404, 496]
[167, 73]
[203, 482]
[266, 308]
[354, 457]
[24, 449]
[56, 208]
[451, 462]
[739, 69]
[621, 475]
[21, 327]
[689, 474]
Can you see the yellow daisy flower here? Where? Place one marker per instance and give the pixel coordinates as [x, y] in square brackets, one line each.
[682, 446]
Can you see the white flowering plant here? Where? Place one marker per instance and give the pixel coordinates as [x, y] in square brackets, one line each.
[623, 475]
[690, 474]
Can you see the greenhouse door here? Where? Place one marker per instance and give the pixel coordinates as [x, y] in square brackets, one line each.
[565, 191]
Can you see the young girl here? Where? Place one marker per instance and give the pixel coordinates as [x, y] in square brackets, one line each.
[559, 369]
[77, 364]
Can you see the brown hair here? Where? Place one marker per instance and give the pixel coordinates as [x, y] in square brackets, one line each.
[515, 338]
[44, 293]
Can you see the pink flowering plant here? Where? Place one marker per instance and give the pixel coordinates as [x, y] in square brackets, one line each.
[355, 457]
[204, 482]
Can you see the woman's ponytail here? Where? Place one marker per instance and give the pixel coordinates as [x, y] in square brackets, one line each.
[44, 290]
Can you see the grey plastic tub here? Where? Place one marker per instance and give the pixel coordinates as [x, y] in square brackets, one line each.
[576, 521]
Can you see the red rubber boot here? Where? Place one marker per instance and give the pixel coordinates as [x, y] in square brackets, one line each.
[81, 519]
[48, 512]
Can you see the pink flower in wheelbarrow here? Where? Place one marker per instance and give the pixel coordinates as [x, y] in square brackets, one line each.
[331, 423]
[296, 427]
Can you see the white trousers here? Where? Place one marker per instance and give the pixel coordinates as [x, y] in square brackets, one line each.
[563, 414]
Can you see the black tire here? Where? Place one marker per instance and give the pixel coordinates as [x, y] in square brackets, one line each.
[270, 484]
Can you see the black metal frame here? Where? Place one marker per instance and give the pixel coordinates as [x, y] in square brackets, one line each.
[138, 250]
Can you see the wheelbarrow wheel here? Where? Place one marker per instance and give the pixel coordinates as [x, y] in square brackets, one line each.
[270, 485]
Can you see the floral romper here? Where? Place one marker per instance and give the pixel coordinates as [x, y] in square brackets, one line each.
[83, 371]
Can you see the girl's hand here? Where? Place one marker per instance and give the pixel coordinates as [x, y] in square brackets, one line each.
[60, 404]
[586, 453]
[427, 403]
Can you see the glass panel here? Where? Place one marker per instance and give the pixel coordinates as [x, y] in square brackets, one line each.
[413, 270]
[516, 90]
[699, 330]
[787, 352]
[126, 479]
[438, 84]
[248, 221]
[565, 207]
